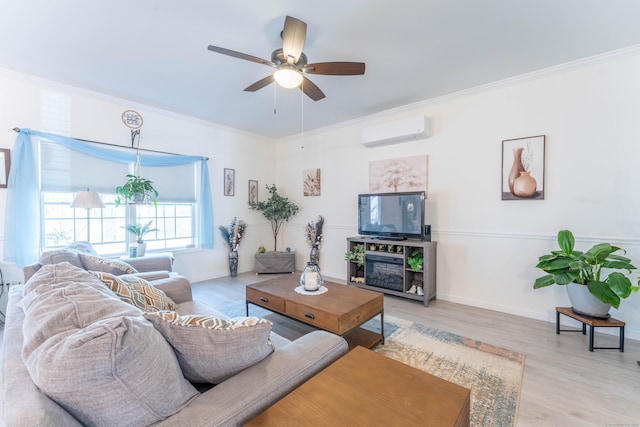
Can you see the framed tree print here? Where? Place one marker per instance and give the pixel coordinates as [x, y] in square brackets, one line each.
[253, 192]
[523, 168]
[229, 182]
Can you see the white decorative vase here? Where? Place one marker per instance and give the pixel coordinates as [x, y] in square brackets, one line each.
[583, 302]
[142, 248]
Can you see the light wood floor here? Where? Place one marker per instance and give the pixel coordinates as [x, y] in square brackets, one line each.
[564, 384]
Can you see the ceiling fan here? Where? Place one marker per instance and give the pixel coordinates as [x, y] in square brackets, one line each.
[291, 63]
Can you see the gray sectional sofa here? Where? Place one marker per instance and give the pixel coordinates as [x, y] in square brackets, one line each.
[143, 383]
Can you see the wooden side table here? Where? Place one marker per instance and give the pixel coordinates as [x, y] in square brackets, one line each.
[593, 323]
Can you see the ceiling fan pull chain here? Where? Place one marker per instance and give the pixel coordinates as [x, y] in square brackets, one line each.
[302, 114]
[274, 100]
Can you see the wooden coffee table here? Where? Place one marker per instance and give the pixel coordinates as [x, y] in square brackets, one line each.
[341, 310]
[364, 388]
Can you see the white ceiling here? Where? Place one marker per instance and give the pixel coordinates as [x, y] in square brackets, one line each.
[155, 51]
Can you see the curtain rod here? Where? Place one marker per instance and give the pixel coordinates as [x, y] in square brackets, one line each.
[17, 129]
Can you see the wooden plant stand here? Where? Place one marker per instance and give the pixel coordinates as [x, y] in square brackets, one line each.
[593, 323]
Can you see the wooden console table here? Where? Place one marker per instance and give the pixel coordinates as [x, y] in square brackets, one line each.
[593, 323]
[364, 388]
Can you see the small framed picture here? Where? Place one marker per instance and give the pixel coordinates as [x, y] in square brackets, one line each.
[523, 168]
[253, 192]
[229, 182]
[5, 165]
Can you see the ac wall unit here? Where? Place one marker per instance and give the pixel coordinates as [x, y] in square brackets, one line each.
[407, 129]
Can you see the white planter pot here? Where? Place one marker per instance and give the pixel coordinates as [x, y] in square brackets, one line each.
[142, 248]
[583, 302]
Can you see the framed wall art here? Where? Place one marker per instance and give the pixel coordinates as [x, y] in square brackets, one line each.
[5, 165]
[253, 192]
[229, 182]
[523, 168]
[400, 174]
[311, 182]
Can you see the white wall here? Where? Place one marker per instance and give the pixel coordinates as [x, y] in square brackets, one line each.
[97, 117]
[488, 248]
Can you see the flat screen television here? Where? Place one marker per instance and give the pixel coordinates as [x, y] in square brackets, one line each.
[392, 215]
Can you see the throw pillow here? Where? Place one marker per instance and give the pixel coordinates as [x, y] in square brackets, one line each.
[137, 292]
[210, 349]
[106, 265]
[57, 256]
[97, 357]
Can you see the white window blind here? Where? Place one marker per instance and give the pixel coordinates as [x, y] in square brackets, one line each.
[174, 183]
[64, 170]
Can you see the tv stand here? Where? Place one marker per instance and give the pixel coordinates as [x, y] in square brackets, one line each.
[386, 267]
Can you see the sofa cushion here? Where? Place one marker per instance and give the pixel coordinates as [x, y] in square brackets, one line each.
[106, 265]
[210, 349]
[95, 355]
[137, 292]
[57, 256]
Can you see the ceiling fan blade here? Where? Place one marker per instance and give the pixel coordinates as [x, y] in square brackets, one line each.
[311, 90]
[335, 68]
[240, 55]
[260, 84]
[293, 37]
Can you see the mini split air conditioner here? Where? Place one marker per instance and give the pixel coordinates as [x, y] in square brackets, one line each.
[407, 129]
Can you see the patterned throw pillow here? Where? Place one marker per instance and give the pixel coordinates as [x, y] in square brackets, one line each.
[106, 265]
[137, 292]
[210, 349]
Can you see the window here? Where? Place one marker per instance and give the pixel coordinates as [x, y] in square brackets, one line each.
[64, 171]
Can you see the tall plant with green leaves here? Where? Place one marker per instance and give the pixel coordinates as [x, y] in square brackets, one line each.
[277, 210]
[568, 265]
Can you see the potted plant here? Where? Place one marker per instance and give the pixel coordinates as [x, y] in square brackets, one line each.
[583, 274]
[356, 254]
[416, 260]
[277, 210]
[136, 190]
[140, 231]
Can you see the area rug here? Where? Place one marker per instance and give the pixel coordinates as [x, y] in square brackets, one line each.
[493, 374]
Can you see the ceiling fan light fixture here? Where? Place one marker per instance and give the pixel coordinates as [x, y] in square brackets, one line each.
[288, 77]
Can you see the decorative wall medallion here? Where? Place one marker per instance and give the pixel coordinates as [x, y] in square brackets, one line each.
[132, 119]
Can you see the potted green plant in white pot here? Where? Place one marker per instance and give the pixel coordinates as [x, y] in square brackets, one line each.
[596, 280]
[140, 231]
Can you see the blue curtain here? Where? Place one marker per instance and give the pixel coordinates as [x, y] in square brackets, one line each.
[22, 222]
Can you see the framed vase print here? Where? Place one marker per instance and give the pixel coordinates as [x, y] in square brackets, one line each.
[229, 182]
[523, 168]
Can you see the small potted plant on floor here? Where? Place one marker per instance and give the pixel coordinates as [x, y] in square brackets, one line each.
[590, 290]
[136, 190]
[140, 231]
